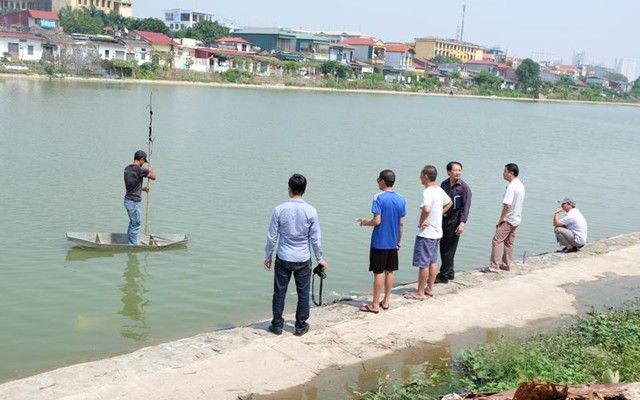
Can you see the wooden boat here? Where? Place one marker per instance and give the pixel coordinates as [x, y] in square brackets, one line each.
[118, 241]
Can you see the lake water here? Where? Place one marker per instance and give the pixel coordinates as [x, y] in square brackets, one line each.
[223, 158]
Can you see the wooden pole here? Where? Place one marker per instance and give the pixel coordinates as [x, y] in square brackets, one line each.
[150, 151]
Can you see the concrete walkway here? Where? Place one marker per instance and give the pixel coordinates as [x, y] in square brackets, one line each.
[238, 362]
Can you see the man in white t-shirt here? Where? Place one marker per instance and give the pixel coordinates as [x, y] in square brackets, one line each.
[433, 203]
[510, 217]
[570, 230]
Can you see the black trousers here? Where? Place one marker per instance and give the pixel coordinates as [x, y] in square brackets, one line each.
[449, 243]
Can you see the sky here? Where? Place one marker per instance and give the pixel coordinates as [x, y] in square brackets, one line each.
[606, 30]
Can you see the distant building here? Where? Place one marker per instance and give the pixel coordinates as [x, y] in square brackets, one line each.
[581, 58]
[430, 47]
[178, 19]
[122, 7]
[19, 46]
[367, 50]
[31, 18]
[627, 67]
[544, 58]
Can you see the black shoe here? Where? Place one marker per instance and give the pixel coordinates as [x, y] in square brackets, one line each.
[572, 250]
[562, 250]
[274, 330]
[440, 279]
[301, 331]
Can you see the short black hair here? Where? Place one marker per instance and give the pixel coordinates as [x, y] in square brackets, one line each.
[140, 154]
[511, 167]
[430, 172]
[451, 164]
[297, 184]
[388, 176]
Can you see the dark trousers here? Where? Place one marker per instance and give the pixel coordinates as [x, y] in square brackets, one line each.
[449, 243]
[302, 274]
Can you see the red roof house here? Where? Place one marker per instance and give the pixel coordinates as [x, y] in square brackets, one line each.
[31, 18]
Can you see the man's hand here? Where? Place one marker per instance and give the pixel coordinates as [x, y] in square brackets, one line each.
[267, 265]
[460, 229]
[146, 189]
[361, 221]
[324, 264]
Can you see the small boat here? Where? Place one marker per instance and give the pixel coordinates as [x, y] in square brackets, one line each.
[119, 241]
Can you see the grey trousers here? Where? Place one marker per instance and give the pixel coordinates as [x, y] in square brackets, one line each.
[565, 237]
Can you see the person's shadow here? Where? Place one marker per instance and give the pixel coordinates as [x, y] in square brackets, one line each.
[134, 301]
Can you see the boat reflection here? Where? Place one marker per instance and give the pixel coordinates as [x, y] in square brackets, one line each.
[134, 299]
[80, 254]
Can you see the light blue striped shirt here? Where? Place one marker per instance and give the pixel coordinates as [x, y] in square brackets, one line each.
[296, 223]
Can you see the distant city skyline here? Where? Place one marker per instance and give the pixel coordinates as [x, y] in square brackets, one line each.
[559, 29]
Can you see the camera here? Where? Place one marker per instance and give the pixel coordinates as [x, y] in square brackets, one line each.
[320, 272]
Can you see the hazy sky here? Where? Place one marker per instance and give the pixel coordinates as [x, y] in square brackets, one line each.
[606, 30]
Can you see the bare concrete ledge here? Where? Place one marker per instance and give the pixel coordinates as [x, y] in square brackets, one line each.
[237, 362]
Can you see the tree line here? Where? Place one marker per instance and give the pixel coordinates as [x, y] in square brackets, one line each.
[93, 21]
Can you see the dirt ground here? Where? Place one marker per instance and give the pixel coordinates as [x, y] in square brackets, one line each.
[247, 360]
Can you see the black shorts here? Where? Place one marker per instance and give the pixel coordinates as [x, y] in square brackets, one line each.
[383, 260]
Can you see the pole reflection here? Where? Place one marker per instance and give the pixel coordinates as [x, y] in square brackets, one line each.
[133, 299]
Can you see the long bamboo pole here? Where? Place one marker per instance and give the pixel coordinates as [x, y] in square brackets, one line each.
[150, 151]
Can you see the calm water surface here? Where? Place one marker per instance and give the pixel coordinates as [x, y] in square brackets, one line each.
[223, 157]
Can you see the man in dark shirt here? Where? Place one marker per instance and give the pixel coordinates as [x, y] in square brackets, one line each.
[454, 220]
[133, 176]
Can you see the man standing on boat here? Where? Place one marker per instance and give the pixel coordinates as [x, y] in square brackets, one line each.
[133, 175]
[296, 224]
[454, 220]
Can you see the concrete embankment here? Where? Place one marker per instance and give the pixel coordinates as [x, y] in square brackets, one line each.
[245, 360]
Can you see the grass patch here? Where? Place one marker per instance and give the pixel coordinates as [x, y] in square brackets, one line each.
[600, 347]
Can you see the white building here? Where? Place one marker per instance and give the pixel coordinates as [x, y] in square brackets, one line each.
[581, 57]
[178, 19]
[21, 46]
[627, 67]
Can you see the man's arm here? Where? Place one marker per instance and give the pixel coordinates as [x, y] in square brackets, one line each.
[505, 211]
[152, 173]
[424, 213]
[374, 221]
[447, 206]
[272, 236]
[556, 217]
[314, 237]
[400, 229]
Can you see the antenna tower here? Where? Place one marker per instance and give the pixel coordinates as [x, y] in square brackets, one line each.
[464, 8]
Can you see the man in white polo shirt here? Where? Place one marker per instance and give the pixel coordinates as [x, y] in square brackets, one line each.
[510, 217]
[570, 230]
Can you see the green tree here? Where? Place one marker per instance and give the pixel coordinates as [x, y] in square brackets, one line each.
[614, 76]
[529, 74]
[148, 24]
[115, 20]
[565, 81]
[335, 69]
[439, 59]
[207, 31]
[79, 21]
[635, 90]
[488, 80]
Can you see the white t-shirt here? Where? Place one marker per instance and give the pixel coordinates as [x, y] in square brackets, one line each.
[437, 198]
[514, 197]
[576, 223]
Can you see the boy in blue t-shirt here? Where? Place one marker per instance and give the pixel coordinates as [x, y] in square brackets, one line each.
[389, 210]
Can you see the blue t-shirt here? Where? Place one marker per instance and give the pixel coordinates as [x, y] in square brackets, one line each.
[391, 207]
